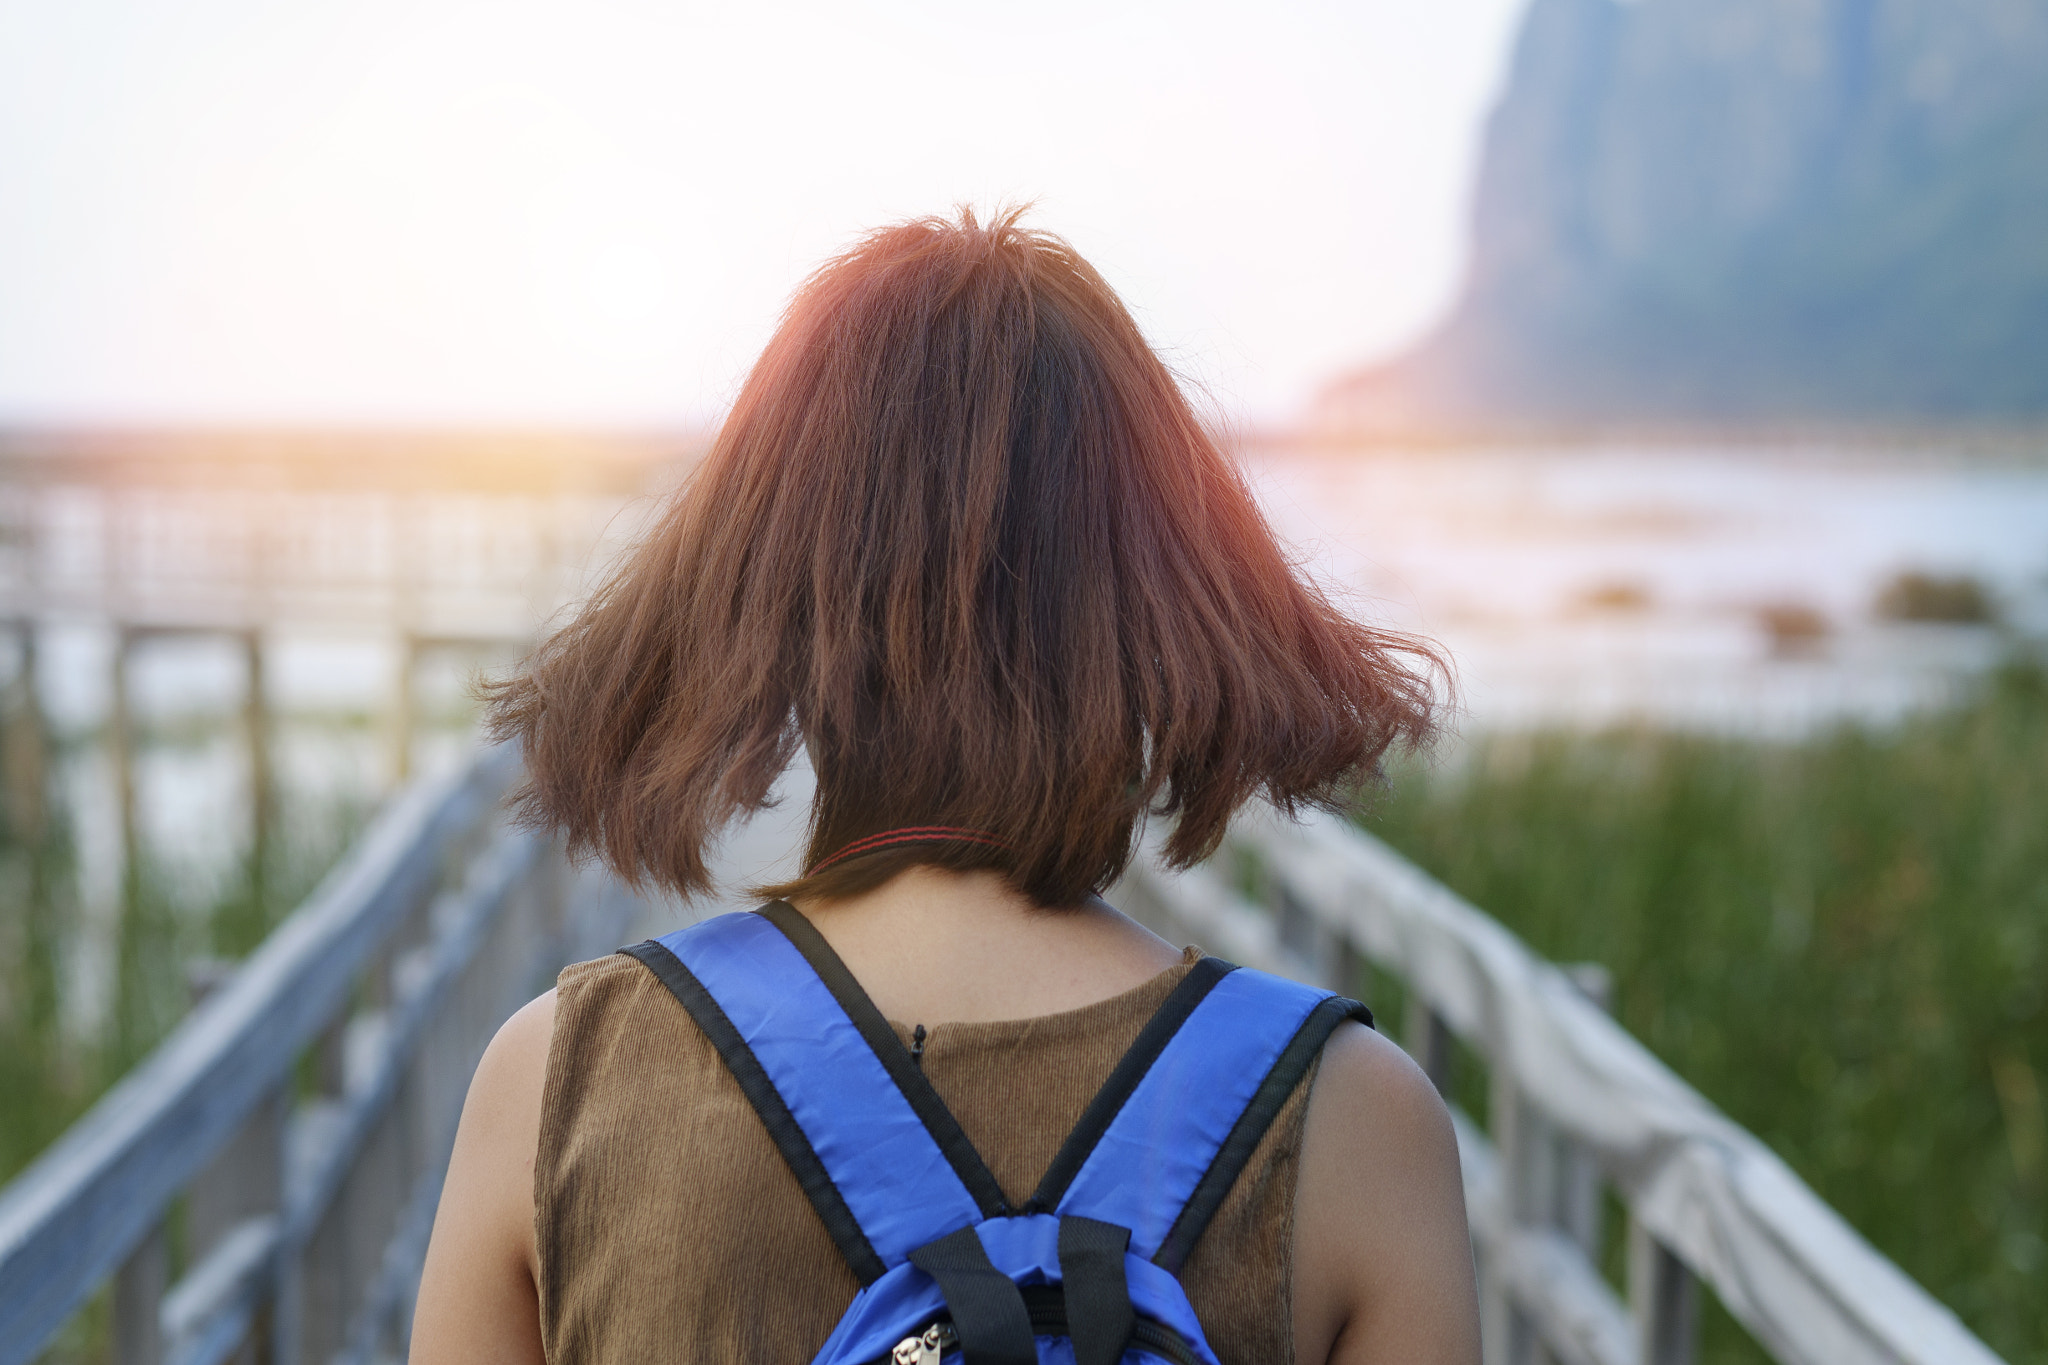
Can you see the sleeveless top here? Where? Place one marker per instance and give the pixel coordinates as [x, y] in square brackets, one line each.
[668, 1228]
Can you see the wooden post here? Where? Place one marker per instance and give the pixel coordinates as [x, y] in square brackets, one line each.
[1664, 1299]
[1300, 932]
[27, 743]
[1428, 1040]
[330, 1059]
[403, 704]
[1547, 1181]
[139, 1287]
[1522, 1142]
[121, 752]
[130, 1022]
[244, 1180]
[246, 1177]
[407, 533]
[1578, 1192]
[27, 761]
[1349, 969]
[256, 736]
[322, 1294]
[314, 1293]
[375, 1193]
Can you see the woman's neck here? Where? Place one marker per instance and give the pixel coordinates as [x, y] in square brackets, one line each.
[933, 946]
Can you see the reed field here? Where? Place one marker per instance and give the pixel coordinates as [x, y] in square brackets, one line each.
[1843, 942]
[46, 1078]
[85, 994]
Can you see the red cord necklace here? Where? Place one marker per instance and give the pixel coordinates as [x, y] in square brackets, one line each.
[909, 834]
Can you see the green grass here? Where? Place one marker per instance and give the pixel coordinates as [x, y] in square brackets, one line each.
[47, 1080]
[1842, 942]
[172, 915]
[51, 1072]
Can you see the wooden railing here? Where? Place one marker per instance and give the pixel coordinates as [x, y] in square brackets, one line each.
[1574, 1105]
[282, 1150]
[293, 1131]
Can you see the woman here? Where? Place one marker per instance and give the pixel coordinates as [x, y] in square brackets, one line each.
[963, 540]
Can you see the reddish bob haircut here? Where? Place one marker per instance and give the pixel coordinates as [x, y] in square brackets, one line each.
[963, 538]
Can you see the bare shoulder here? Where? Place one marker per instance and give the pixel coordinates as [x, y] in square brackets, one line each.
[505, 1100]
[1377, 1145]
[520, 1046]
[477, 1288]
[1383, 1262]
[502, 1113]
[500, 1131]
[1365, 1079]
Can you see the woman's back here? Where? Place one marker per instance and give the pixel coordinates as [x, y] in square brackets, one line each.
[639, 1109]
[608, 1159]
[964, 542]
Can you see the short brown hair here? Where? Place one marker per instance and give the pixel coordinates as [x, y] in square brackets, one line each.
[963, 537]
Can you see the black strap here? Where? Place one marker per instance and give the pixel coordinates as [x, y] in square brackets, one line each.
[987, 1310]
[1098, 1293]
[903, 1069]
[1286, 1073]
[768, 1103]
[1130, 1069]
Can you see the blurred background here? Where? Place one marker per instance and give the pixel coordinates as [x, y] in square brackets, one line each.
[1681, 365]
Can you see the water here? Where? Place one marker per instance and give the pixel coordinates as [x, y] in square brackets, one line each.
[1593, 586]
[1576, 586]
[331, 763]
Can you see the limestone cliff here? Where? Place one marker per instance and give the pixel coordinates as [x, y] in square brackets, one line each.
[1695, 210]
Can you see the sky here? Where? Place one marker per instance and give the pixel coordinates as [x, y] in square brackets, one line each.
[444, 212]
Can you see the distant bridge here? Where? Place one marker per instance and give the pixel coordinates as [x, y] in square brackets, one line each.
[430, 545]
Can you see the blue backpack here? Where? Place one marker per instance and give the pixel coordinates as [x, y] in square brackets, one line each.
[1085, 1272]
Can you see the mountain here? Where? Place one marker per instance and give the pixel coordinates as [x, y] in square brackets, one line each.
[1695, 211]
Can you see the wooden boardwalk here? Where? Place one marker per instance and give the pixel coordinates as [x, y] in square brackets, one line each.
[261, 1186]
[304, 1214]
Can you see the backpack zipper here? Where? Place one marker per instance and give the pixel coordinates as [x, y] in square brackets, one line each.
[925, 1349]
[1048, 1309]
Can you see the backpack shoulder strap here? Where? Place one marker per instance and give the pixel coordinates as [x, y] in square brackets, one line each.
[1160, 1147]
[874, 1149]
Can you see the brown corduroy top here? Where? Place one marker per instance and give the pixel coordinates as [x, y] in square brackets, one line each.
[668, 1227]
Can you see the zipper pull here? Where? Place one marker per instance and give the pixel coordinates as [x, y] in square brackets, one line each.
[917, 1046]
[925, 1349]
